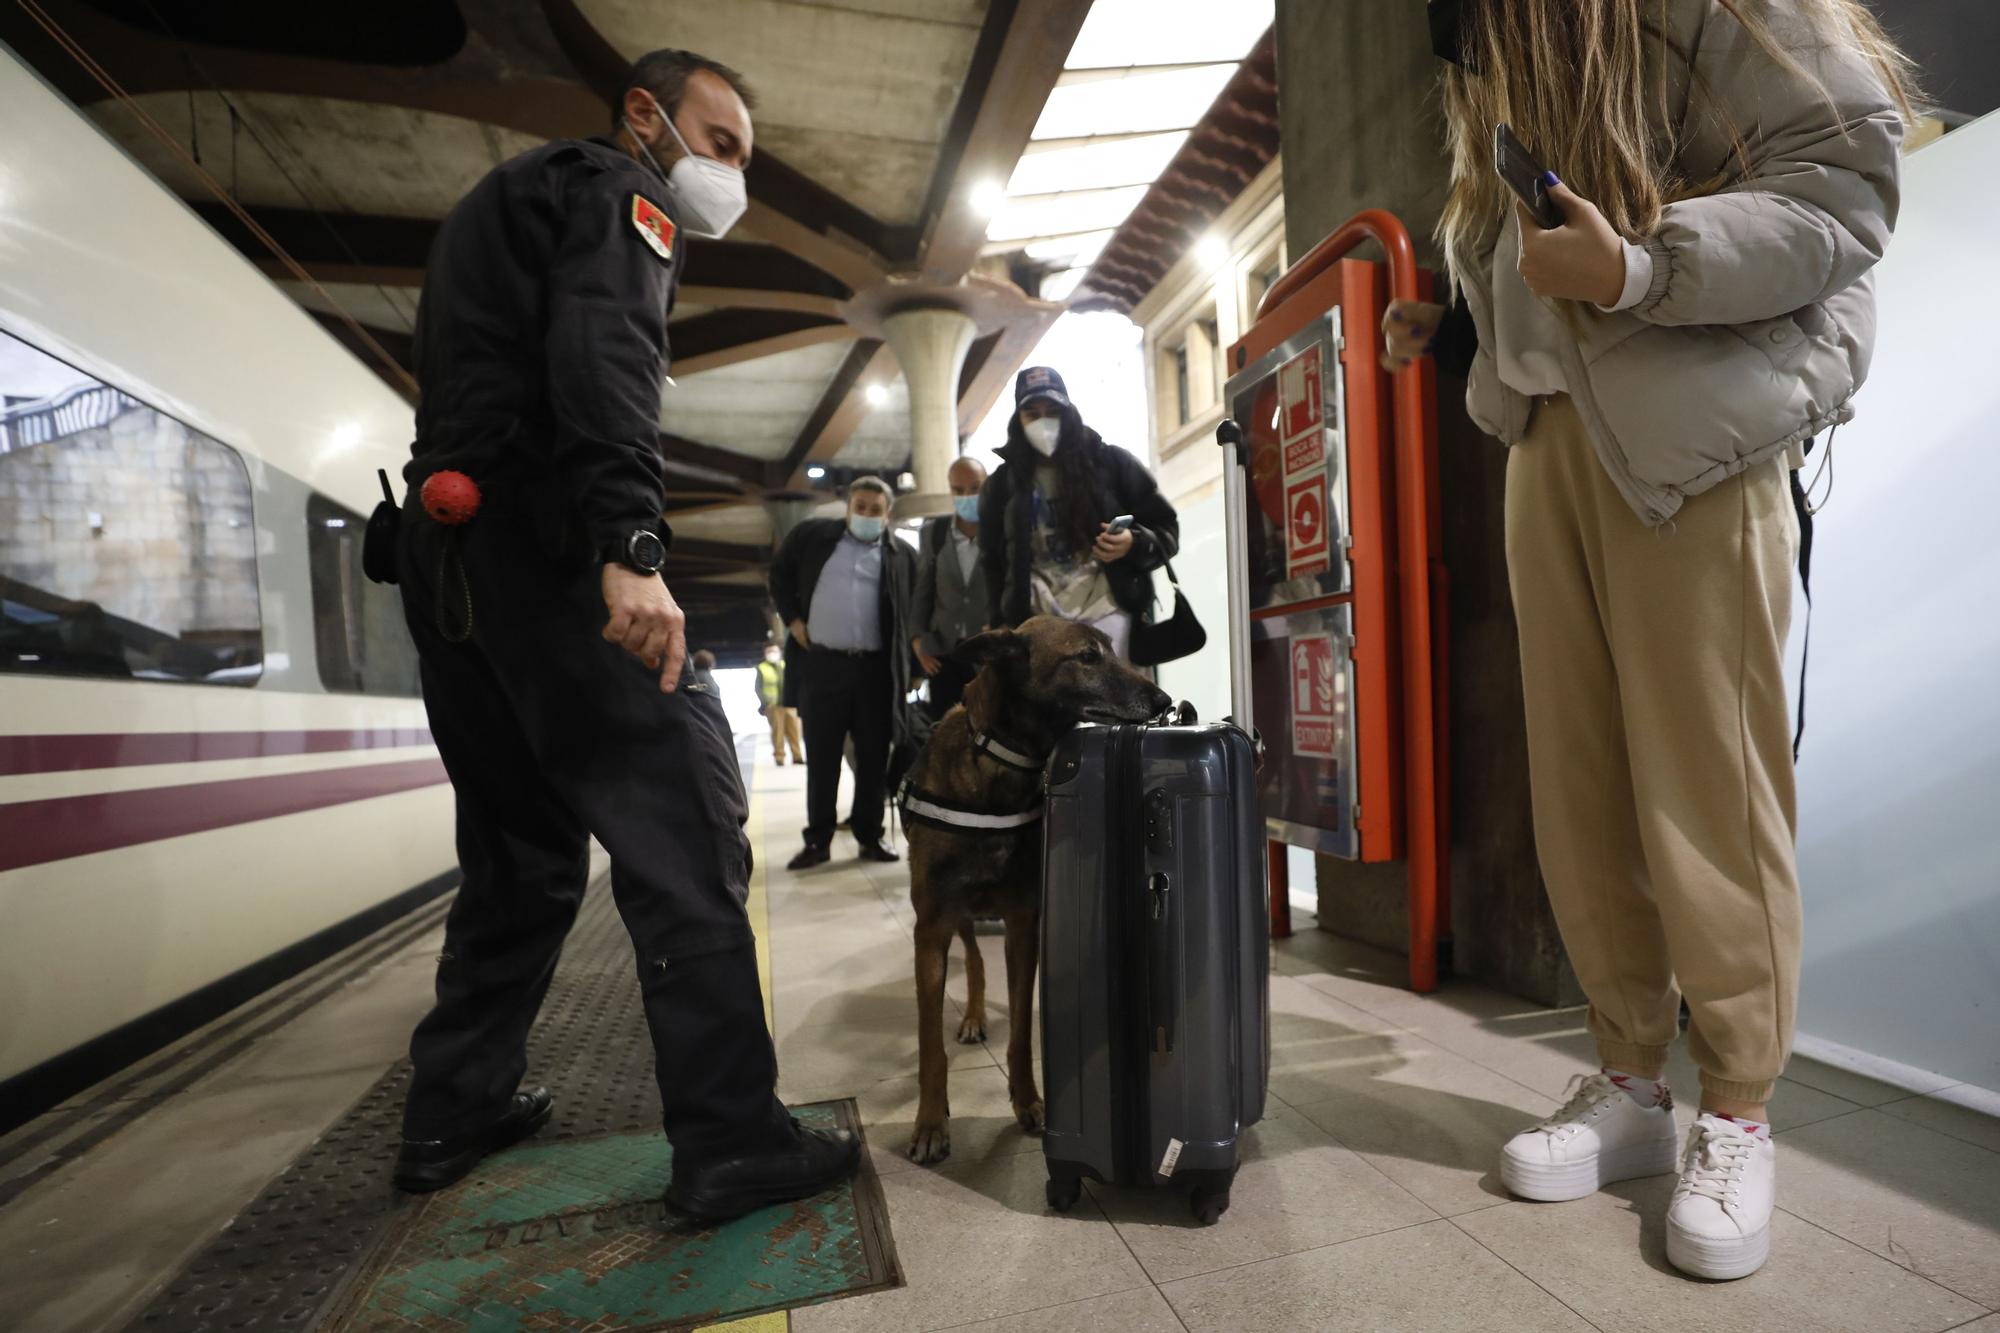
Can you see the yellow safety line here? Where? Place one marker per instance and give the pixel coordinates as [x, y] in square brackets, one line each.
[776, 1322]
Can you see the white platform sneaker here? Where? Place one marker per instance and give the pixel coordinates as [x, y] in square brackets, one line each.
[1719, 1223]
[1599, 1136]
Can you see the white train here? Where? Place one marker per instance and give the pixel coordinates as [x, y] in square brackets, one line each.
[214, 765]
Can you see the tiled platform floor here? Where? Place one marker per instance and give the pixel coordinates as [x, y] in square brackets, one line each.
[1368, 1201]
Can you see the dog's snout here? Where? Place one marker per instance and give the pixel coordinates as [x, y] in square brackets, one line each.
[1157, 699]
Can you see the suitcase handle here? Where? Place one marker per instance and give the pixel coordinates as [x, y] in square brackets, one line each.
[1161, 992]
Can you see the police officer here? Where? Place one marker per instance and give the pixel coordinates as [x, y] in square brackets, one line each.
[553, 654]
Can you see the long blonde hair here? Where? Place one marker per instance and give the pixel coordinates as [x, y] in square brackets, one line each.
[1570, 76]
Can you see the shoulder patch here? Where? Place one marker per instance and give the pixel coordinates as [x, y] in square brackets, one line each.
[654, 226]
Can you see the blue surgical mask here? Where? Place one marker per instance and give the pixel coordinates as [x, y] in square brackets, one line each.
[865, 529]
[967, 507]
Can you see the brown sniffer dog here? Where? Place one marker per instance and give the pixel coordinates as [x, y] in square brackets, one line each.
[985, 758]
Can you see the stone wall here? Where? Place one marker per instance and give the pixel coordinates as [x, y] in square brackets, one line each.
[173, 548]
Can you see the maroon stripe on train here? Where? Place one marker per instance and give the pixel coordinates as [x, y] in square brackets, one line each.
[54, 829]
[122, 749]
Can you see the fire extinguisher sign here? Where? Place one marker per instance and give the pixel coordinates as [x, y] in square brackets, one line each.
[1313, 696]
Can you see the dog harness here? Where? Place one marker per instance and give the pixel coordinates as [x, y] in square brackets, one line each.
[925, 807]
[983, 743]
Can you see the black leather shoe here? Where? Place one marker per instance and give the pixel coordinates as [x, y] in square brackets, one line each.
[808, 857]
[717, 1190]
[875, 851]
[430, 1164]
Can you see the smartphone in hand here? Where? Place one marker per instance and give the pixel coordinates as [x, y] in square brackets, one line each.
[1523, 175]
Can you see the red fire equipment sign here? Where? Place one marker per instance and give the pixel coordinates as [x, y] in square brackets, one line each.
[1299, 406]
[1305, 524]
[1313, 696]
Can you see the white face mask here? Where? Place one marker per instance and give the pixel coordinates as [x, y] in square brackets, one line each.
[1043, 434]
[711, 195]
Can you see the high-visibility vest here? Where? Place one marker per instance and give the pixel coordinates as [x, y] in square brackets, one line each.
[770, 682]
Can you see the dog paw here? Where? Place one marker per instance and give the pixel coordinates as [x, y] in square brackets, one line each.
[972, 1030]
[1030, 1117]
[931, 1145]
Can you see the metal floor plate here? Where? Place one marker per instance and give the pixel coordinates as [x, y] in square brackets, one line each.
[288, 1257]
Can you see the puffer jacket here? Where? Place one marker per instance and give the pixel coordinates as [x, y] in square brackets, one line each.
[1760, 320]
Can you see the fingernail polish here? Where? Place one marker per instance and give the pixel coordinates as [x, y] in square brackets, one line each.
[1550, 178]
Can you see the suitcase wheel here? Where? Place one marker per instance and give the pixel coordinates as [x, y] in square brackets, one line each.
[1064, 1191]
[1209, 1205]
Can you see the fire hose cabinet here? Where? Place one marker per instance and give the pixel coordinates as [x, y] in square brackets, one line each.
[1335, 586]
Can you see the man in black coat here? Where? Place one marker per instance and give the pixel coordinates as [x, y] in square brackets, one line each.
[843, 586]
[554, 659]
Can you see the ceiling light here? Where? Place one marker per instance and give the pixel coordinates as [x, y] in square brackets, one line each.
[1211, 250]
[878, 394]
[987, 196]
[815, 472]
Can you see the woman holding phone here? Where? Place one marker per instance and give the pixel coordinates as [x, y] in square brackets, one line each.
[1069, 525]
[1658, 364]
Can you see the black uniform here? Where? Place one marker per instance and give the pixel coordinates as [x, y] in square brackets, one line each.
[541, 348]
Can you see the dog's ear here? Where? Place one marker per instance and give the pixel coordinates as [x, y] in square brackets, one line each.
[995, 645]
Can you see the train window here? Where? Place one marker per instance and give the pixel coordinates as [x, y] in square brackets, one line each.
[126, 543]
[364, 646]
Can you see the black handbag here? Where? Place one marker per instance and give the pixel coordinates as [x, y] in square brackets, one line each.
[1169, 640]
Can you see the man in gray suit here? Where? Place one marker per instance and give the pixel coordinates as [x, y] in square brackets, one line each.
[950, 602]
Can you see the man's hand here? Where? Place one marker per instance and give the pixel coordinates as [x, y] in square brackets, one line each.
[930, 664]
[1582, 260]
[1112, 546]
[646, 622]
[799, 633]
[1407, 330]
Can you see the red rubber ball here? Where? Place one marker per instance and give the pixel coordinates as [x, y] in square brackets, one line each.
[450, 497]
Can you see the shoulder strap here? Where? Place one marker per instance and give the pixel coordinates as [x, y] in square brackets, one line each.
[1803, 507]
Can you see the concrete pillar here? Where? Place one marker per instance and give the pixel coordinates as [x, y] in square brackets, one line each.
[1362, 128]
[931, 344]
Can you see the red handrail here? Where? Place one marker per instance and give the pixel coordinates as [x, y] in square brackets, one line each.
[1423, 578]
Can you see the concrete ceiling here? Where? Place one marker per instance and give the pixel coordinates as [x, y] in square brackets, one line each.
[321, 153]
[882, 441]
[876, 120]
[754, 408]
[859, 94]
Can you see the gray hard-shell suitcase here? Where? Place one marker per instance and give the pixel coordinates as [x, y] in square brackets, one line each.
[1155, 977]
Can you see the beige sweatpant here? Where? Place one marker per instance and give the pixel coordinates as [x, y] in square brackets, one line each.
[784, 727]
[1659, 749]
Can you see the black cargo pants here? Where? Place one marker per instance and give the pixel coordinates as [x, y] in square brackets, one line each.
[551, 735]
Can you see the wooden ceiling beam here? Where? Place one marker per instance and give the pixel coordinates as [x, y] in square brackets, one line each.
[719, 469]
[1016, 64]
[839, 412]
[552, 78]
[730, 337]
[982, 382]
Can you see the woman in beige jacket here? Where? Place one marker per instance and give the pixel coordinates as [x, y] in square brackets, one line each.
[1727, 170]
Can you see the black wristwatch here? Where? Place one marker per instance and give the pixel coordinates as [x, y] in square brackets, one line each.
[642, 550]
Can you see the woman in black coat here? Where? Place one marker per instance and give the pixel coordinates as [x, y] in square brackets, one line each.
[1045, 515]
